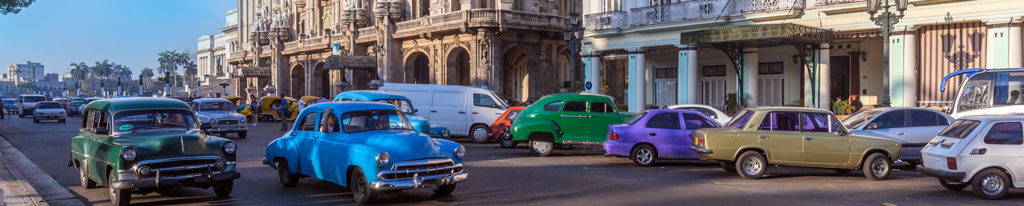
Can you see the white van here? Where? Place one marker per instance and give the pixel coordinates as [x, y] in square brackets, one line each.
[460, 108]
[27, 104]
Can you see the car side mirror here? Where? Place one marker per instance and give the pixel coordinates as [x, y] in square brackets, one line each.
[871, 126]
[101, 131]
[415, 110]
[205, 126]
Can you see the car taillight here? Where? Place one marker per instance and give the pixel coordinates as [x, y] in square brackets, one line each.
[613, 136]
[697, 140]
[951, 163]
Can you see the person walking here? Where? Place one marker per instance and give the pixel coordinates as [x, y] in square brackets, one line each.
[282, 110]
[254, 109]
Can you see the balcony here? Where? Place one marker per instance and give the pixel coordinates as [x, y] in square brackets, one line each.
[835, 2]
[458, 21]
[606, 20]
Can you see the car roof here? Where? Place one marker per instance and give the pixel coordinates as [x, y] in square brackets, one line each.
[44, 102]
[994, 117]
[348, 106]
[211, 100]
[129, 103]
[369, 95]
[584, 96]
[403, 86]
[670, 110]
[787, 108]
[32, 95]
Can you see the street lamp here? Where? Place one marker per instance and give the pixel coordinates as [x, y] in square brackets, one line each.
[886, 20]
[573, 35]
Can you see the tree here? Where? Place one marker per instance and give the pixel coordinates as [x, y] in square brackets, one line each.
[191, 70]
[103, 69]
[146, 73]
[13, 6]
[122, 72]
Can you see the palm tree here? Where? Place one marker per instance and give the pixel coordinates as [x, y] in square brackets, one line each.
[80, 71]
[103, 69]
[122, 72]
[146, 73]
[191, 70]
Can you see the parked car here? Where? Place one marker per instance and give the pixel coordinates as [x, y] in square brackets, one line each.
[566, 119]
[221, 116]
[403, 103]
[982, 152]
[656, 134]
[27, 103]
[267, 104]
[913, 127]
[10, 105]
[794, 136]
[49, 110]
[708, 111]
[370, 149]
[499, 129]
[63, 101]
[74, 108]
[136, 145]
[466, 111]
[86, 102]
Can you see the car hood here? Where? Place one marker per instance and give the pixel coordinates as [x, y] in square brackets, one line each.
[419, 123]
[170, 143]
[409, 145]
[205, 116]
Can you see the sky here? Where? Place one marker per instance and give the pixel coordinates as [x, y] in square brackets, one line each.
[129, 32]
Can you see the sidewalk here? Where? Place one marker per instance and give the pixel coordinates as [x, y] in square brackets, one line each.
[20, 178]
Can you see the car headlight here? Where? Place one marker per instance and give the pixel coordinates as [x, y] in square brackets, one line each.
[460, 152]
[446, 133]
[213, 120]
[241, 120]
[220, 165]
[383, 158]
[229, 148]
[129, 154]
[144, 171]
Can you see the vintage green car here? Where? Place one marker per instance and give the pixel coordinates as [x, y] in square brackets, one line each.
[793, 136]
[566, 119]
[136, 145]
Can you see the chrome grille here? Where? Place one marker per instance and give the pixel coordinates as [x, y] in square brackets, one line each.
[180, 166]
[421, 168]
[227, 122]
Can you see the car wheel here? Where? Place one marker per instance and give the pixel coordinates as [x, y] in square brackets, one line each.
[361, 191]
[445, 190]
[118, 197]
[287, 178]
[842, 171]
[751, 165]
[506, 140]
[877, 166]
[643, 155]
[223, 188]
[479, 134]
[84, 178]
[954, 186]
[728, 166]
[565, 146]
[990, 184]
[241, 135]
[541, 148]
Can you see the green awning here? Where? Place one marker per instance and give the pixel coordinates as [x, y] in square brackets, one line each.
[758, 35]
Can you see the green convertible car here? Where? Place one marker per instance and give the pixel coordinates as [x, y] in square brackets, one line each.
[136, 145]
[566, 119]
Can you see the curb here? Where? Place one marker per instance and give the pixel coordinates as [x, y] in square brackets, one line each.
[33, 179]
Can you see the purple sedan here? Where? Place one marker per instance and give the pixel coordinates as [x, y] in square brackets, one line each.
[656, 134]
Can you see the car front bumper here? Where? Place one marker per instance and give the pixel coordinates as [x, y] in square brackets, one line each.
[228, 128]
[48, 117]
[186, 180]
[420, 182]
[942, 174]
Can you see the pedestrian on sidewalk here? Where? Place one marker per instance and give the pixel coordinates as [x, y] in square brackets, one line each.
[254, 109]
[282, 110]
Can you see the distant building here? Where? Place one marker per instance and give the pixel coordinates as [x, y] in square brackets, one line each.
[212, 53]
[29, 71]
[51, 77]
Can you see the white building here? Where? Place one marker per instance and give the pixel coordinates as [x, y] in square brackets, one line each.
[29, 71]
[212, 53]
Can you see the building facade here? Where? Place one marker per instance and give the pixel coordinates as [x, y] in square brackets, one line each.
[322, 47]
[29, 71]
[803, 52]
[212, 53]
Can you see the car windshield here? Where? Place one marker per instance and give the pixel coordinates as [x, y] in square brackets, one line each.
[959, 129]
[34, 98]
[76, 104]
[635, 118]
[859, 119]
[216, 107]
[8, 101]
[501, 101]
[513, 114]
[368, 120]
[48, 105]
[404, 105]
[128, 121]
[741, 119]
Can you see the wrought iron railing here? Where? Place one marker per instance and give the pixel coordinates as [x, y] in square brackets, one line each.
[703, 9]
[834, 2]
[606, 20]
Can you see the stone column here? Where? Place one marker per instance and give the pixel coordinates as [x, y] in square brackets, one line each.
[637, 71]
[688, 75]
[824, 77]
[750, 77]
[1015, 52]
[897, 58]
[909, 70]
[592, 72]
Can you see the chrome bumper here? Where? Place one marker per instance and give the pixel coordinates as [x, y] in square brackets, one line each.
[204, 174]
[188, 180]
[420, 182]
[397, 178]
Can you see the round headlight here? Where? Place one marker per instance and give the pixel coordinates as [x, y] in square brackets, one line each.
[446, 133]
[383, 158]
[220, 165]
[241, 120]
[229, 148]
[128, 154]
[144, 171]
[213, 120]
[460, 152]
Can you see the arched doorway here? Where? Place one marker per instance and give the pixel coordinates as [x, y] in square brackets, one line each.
[458, 67]
[516, 76]
[298, 81]
[323, 88]
[417, 69]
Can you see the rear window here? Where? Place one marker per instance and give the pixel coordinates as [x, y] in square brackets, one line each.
[554, 106]
[636, 118]
[741, 119]
[959, 129]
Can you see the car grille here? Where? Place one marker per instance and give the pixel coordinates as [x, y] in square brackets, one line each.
[227, 122]
[181, 166]
[422, 168]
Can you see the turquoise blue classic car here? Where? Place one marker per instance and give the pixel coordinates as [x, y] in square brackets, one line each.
[403, 103]
[369, 147]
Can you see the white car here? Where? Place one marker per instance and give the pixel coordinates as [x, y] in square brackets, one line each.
[49, 110]
[912, 126]
[464, 110]
[709, 111]
[983, 152]
[220, 114]
[27, 103]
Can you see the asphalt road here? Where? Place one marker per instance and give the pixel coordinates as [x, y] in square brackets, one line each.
[579, 176]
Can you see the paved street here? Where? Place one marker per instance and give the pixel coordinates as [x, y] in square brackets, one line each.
[515, 177]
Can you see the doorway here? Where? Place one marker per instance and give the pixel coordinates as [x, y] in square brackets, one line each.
[839, 75]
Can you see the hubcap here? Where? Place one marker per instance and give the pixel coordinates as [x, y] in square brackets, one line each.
[541, 147]
[480, 134]
[361, 187]
[506, 139]
[879, 168]
[113, 193]
[992, 185]
[643, 156]
[751, 166]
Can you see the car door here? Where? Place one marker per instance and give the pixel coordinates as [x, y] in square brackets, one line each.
[682, 140]
[781, 129]
[825, 142]
[602, 114]
[448, 109]
[485, 109]
[306, 136]
[891, 124]
[574, 121]
[661, 130]
[1001, 145]
[923, 125]
[331, 151]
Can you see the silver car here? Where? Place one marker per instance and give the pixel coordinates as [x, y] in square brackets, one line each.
[221, 116]
[49, 110]
[913, 127]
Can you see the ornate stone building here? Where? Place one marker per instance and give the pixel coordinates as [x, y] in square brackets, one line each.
[513, 47]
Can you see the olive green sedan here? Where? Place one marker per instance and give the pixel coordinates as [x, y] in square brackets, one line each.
[793, 136]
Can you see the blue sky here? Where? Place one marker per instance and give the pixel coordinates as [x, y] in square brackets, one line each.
[130, 32]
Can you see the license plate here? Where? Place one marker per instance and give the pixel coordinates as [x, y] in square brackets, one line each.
[52, 116]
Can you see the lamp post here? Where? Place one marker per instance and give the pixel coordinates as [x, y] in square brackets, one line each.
[887, 19]
[573, 34]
